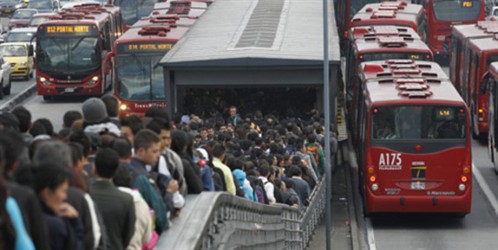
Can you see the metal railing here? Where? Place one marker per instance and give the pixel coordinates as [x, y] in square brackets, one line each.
[218, 220]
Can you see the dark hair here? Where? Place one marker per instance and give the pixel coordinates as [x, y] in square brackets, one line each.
[83, 139]
[76, 152]
[122, 177]
[47, 124]
[111, 105]
[71, 116]
[37, 128]
[122, 146]
[133, 122]
[218, 150]
[7, 232]
[264, 170]
[24, 117]
[145, 138]
[179, 141]
[294, 171]
[49, 175]
[158, 124]
[9, 139]
[106, 162]
[157, 112]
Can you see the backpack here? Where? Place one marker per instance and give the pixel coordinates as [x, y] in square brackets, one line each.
[314, 150]
[259, 190]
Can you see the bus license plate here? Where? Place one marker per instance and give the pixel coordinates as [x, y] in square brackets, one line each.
[418, 185]
[69, 90]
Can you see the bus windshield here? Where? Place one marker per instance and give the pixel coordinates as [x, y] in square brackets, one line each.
[395, 55]
[418, 122]
[132, 10]
[457, 10]
[65, 55]
[139, 77]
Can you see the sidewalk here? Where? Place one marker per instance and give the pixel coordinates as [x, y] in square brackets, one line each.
[343, 225]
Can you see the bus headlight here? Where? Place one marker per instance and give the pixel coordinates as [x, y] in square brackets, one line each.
[93, 81]
[124, 107]
[375, 187]
[461, 187]
[44, 81]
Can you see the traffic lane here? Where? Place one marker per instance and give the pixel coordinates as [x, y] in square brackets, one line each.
[482, 162]
[477, 230]
[17, 86]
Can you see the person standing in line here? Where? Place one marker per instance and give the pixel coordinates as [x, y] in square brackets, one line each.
[234, 117]
[117, 208]
[218, 158]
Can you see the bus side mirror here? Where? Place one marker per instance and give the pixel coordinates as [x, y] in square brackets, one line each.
[30, 50]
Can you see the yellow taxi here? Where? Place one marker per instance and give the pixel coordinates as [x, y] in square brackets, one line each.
[20, 57]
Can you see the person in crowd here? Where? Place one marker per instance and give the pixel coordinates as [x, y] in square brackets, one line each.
[290, 197]
[265, 175]
[300, 186]
[201, 158]
[233, 117]
[13, 234]
[130, 126]
[55, 152]
[8, 120]
[24, 196]
[24, 117]
[70, 117]
[143, 222]
[64, 227]
[147, 152]
[218, 158]
[179, 144]
[96, 119]
[241, 177]
[117, 208]
[112, 108]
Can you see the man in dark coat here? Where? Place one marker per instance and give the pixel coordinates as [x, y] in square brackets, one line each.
[116, 207]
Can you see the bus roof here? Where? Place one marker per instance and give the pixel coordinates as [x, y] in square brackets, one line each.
[148, 33]
[182, 11]
[405, 90]
[83, 15]
[493, 69]
[485, 44]
[381, 30]
[182, 20]
[480, 29]
[384, 18]
[185, 3]
[399, 7]
[388, 69]
[391, 44]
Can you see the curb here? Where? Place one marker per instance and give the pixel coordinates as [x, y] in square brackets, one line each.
[19, 98]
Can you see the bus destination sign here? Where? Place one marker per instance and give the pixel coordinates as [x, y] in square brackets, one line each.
[146, 47]
[79, 30]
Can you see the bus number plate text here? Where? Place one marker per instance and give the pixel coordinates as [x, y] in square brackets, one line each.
[418, 185]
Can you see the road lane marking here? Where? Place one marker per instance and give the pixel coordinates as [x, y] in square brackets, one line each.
[370, 234]
[485, 188]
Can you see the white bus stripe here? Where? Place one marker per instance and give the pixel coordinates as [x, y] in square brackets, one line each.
[370, 234]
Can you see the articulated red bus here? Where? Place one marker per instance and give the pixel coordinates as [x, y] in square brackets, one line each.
[73, 53]
[414, 151]
[140, 81]
[460, 37]
[190, 9]
[379, 48]
[492, 84]
[390, 13]
[483, 52]
[440, 15]
[381, 30]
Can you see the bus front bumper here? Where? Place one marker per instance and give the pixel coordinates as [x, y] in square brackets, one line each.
[420, 204]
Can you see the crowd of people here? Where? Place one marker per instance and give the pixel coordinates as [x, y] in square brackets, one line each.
[104, 182]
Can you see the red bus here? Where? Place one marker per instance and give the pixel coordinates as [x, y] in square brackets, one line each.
[74, 53]
[140, 82]
[190, 9]
[381, 30]
[414, 151]
[460, 37]
[390, 13]
[379, 48]
[492, 82]
[440, 15]
[483, 52]
[133, 10]
[87, 8]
